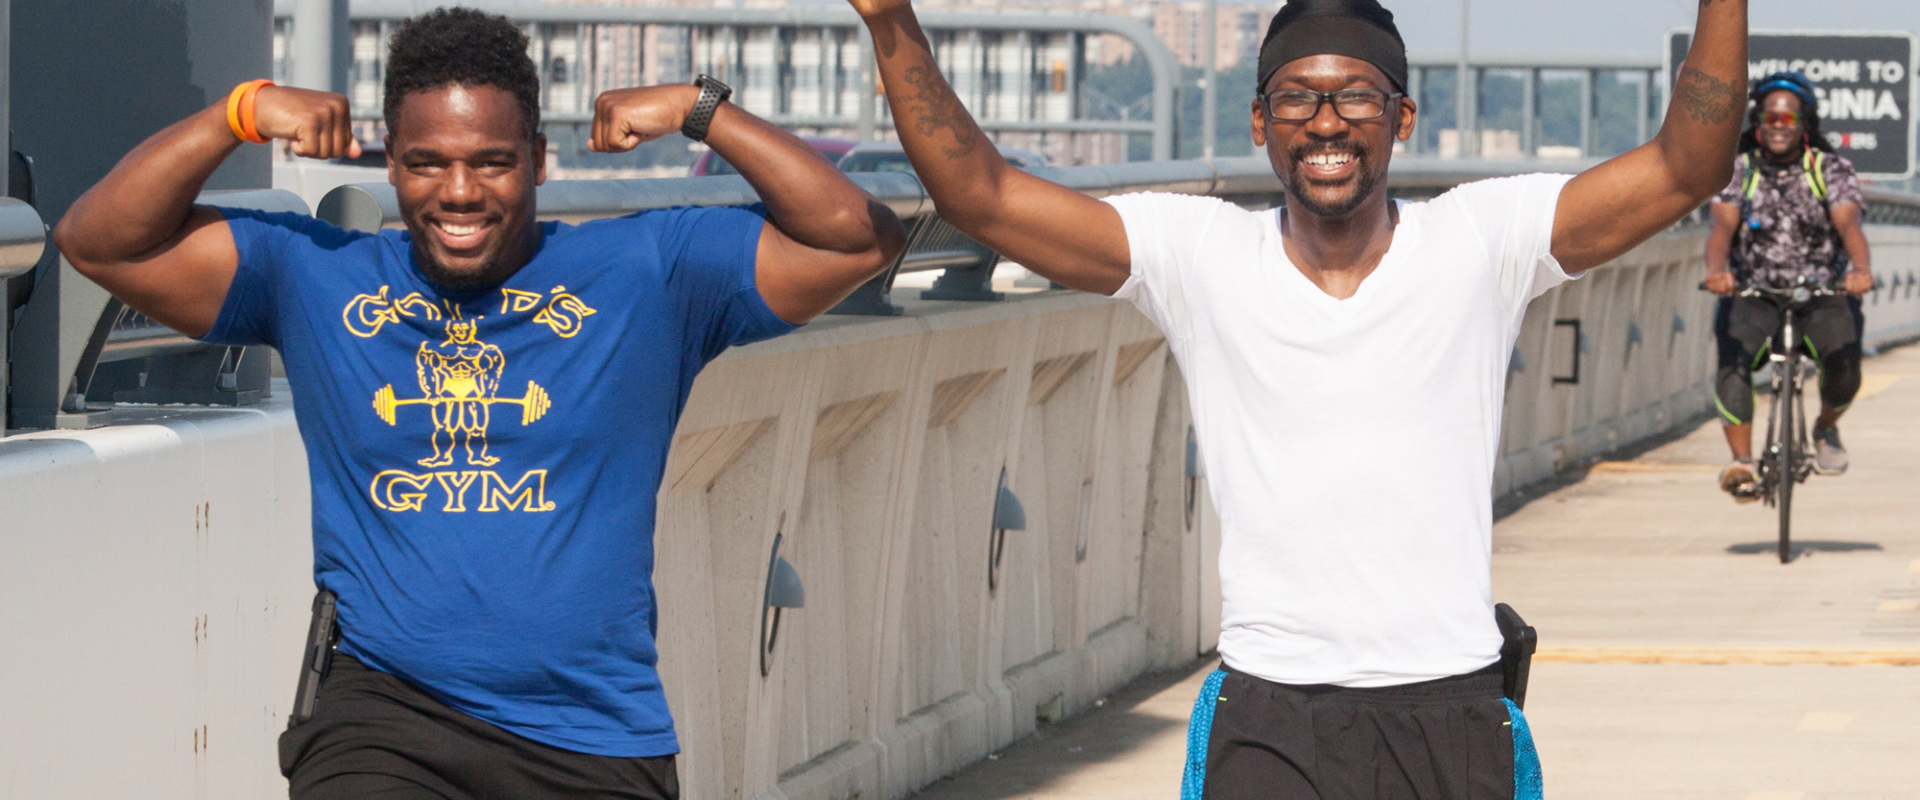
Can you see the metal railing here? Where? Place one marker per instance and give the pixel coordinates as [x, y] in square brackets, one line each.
[575, 49]
[23, 240]
[968, 265]
[128, 357]
[1532, 76]
[133, 335]
[100, 352]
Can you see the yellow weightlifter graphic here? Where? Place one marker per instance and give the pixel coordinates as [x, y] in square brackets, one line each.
[460, 381]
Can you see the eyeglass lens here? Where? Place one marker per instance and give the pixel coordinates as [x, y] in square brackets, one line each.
[1298, 105]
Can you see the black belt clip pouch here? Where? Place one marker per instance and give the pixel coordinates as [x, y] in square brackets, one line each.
[1518, 641]
[322, 634]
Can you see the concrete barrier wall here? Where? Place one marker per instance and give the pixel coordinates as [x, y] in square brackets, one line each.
[1646, 350]
[156, 574]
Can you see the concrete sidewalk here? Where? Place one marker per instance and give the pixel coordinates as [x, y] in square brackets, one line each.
[1679, 658]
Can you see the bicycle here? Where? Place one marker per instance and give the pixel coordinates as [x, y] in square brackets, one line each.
[1786, 460]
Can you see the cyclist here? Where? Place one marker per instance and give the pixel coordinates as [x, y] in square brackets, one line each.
[1792, 212]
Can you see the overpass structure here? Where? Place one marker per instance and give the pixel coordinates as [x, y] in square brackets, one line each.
[801, 66]
[155, 550]
[810, 67]
[160, 566]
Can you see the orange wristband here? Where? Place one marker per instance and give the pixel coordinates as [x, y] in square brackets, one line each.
[240, 111]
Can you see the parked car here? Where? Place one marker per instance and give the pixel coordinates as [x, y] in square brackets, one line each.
[889, 157]
[710, 163]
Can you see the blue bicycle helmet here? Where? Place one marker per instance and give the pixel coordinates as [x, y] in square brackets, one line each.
[1789, 81]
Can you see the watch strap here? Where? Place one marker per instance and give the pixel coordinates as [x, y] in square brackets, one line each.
[712, 94]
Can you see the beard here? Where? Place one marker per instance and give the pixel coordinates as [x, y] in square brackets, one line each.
[486, 277]
[1299, 186]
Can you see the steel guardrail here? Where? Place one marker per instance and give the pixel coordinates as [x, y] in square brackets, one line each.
[1248, 180]
[23, 237]
[135, 335]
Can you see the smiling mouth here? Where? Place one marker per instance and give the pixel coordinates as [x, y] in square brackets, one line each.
[1328, 164]
[461, 236]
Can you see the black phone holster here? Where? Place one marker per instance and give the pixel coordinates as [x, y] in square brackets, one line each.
[322, 634]
[1518, 641]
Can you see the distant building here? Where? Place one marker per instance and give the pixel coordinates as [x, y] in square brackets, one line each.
[807, 78]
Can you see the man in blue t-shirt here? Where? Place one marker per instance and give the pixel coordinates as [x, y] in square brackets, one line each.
[486, 400]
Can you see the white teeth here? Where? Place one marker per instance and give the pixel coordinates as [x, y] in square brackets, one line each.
[1329, 159]
[459, 230]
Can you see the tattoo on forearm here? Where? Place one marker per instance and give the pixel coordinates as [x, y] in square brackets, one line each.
[936, 108]
[1709, 100]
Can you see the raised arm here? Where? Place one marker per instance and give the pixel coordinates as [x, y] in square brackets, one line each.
[137, 232]
[1050, 229]
[1846, 221]
[1608, 210]
[825, 236]
[1726, 220]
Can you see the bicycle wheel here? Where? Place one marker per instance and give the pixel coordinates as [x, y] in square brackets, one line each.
[1787, 450]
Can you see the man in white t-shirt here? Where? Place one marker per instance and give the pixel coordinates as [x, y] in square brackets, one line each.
[1346, 361]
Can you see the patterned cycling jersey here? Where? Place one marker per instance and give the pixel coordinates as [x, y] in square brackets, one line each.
[1785, 230]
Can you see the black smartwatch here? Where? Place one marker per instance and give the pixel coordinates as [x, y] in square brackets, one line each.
[712, 94]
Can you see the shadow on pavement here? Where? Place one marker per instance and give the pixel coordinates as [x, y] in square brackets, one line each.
[1055, 758]
[1799, 549]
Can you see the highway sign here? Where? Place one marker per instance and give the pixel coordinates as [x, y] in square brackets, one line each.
[1865, 83]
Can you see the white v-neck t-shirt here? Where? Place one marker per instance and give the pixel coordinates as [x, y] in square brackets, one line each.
[1349, 444]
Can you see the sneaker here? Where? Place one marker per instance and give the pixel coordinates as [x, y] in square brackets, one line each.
[1829, 457]
[1737, 480]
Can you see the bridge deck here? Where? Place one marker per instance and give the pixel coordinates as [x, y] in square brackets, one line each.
[1679, 657]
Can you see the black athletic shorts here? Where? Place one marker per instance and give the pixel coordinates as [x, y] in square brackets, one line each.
[1744, 329]
[376, 737]
[1446, 739]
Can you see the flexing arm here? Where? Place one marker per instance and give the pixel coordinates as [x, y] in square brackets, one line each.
[1846, 220]
[1608, 210]
[825, 236]
[1050, 229]
[1726, 221]
[137, 232]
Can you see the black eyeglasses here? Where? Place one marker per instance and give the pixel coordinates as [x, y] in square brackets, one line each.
[1353, 105]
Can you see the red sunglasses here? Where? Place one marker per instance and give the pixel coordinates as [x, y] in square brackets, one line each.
[1781, 118]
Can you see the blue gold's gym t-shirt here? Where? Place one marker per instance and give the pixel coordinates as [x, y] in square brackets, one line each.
[484, 464]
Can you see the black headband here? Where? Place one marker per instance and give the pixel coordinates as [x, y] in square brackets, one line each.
[1361, 29]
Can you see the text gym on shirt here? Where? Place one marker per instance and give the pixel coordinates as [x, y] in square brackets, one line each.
[1864, 81]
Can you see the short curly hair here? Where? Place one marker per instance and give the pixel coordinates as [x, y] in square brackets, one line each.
[461, 46]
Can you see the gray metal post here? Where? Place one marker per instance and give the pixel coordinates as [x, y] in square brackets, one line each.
[1586, 112]
[1640, 95]
[1463, 106]
[6, 312]
[321, 27]
[1416, 84]
[6, 126]
[1530, 113]
[1209, 94]
[869, 82]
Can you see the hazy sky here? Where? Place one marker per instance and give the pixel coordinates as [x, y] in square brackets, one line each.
[1619, 26]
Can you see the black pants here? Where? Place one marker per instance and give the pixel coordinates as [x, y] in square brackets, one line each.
[1448, 739]
[1745, 329]
[376, 737]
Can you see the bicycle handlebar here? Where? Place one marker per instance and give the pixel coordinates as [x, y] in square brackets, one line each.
[1811, 288]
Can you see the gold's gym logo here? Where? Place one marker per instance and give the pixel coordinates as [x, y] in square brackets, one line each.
[460, 378]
